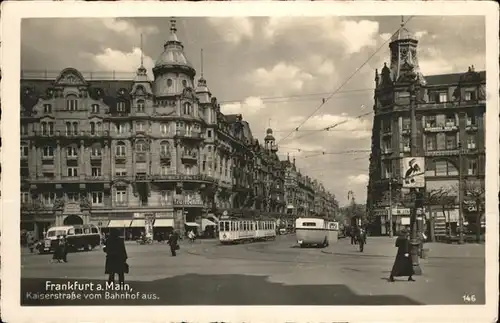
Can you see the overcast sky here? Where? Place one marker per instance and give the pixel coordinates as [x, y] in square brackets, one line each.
[273, 71]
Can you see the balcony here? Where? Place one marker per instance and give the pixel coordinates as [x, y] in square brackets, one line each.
[386, 132]
[95, 157]
[387, 151]
[406, 131]
[432, 127]
[120, 203]
[471, 127]
[189, 156]
[181, 177]
[140, 157]
[120, 158]
[142, 177]
[72, 157]
[444, 152]
[406, 149]
[165, 155]
[96, 178]
[188, 135]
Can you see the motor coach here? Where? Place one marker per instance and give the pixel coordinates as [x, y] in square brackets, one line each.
[86, 237]
[311, 232]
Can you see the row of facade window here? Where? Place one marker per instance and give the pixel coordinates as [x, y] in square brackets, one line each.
[432, 121]
[440, 168]
[71, 128]
[434, 142]
[72, 105]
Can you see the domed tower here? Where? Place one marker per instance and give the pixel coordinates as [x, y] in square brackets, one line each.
[270, 141]
[404, 56]
[172, 71]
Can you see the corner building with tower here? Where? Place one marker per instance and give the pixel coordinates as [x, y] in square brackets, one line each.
[450, 124]
[140, 155]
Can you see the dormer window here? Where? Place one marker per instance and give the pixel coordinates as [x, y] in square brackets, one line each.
[120, 107]
[169, 82]
[47, 108]
[140, 106]
[94, 108]
[187, 108]
[71, 103]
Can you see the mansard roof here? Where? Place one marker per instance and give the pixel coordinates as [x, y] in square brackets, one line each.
[448, 79]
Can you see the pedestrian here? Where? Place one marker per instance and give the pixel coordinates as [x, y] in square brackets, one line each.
[59, 251]
[353, 234]
[116, 257]
[402, 265]
[361, 239]
[173, 240]
[31, 242]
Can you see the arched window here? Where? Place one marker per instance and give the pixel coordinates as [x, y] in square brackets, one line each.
[71, 102]
[141, 146]
[68, 128]
[75, 128]
[187, 108]
[140, 106]
[121, 149]
[164, 147]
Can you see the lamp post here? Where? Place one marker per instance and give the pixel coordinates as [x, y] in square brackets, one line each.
[391, 234]
[414, 191]
[460, 194]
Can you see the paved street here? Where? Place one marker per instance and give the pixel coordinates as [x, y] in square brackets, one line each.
[268, 273]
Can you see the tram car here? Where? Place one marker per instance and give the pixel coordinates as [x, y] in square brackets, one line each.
[312, 232]
[86, 237]
[236, 230]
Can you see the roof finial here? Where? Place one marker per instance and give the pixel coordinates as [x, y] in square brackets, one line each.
[201, 62]
[142, 54]
[173, 29]
[402, 21]
[269, 123]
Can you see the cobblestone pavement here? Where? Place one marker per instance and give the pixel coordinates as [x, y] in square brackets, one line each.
[270, 273]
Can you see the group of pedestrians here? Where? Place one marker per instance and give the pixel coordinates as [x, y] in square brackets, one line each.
[358, 237]
[116, 254]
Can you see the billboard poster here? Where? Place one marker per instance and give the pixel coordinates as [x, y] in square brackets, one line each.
[413, 172]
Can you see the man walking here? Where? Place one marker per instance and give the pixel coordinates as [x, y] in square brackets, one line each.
[173, 240]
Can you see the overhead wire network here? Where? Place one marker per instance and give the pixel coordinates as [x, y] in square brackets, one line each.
[325, 100]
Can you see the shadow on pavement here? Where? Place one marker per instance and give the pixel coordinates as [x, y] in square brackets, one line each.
[195, 289]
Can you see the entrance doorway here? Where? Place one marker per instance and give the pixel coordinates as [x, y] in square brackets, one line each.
[73, 220]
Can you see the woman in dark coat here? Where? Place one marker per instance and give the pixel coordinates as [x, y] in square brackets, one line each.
[116, 257]
[402, 265]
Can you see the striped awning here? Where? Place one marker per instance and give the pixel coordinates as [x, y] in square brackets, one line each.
[119, 223]
[206, 222]
[138, 223]
[192, 224]
[164, 223]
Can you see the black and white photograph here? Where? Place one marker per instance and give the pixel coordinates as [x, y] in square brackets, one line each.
[276, 155]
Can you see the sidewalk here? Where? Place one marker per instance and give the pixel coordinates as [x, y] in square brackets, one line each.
[385, 247]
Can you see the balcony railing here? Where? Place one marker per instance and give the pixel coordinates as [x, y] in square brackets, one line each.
[443, 152]
[165, 155]
[471, 127]
[95, 157]
[189, 156]
[440, 128]
[120, 157]
[188, 135]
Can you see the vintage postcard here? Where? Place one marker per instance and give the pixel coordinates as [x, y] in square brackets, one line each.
[250, 162]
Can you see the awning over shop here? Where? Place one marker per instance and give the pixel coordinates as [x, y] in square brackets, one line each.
[213, 218]
[205, 223]
[138, 223]
[191, 224]
[119, 223]
[100, 223]
[164, 223]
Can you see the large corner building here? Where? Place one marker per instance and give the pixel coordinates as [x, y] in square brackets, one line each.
[450, 112]
[139, 154]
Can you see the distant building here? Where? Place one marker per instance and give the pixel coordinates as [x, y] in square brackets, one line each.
[139, 155]
[450, 109]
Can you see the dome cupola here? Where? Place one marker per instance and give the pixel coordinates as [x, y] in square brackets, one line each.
[172, 71]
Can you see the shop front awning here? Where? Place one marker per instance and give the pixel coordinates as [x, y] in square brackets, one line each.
[100, 223]
[138, 223]
[164, 223]
[206, 222]
[119, 223]
[192, 224]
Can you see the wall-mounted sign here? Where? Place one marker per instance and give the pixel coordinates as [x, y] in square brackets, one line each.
[405, 221]
[413, 172]
[72, 208]
[470, 205]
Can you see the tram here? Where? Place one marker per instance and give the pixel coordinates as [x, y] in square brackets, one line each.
[241, 230]
[312, 232]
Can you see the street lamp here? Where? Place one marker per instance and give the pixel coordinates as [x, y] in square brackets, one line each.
[415, 194]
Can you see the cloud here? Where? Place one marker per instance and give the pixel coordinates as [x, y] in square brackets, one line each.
[281, 77]
[358, 179]
[357, 35]
[233, 30]
[115, 60]
[249, 106]
[127, 28]
[421, 33]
